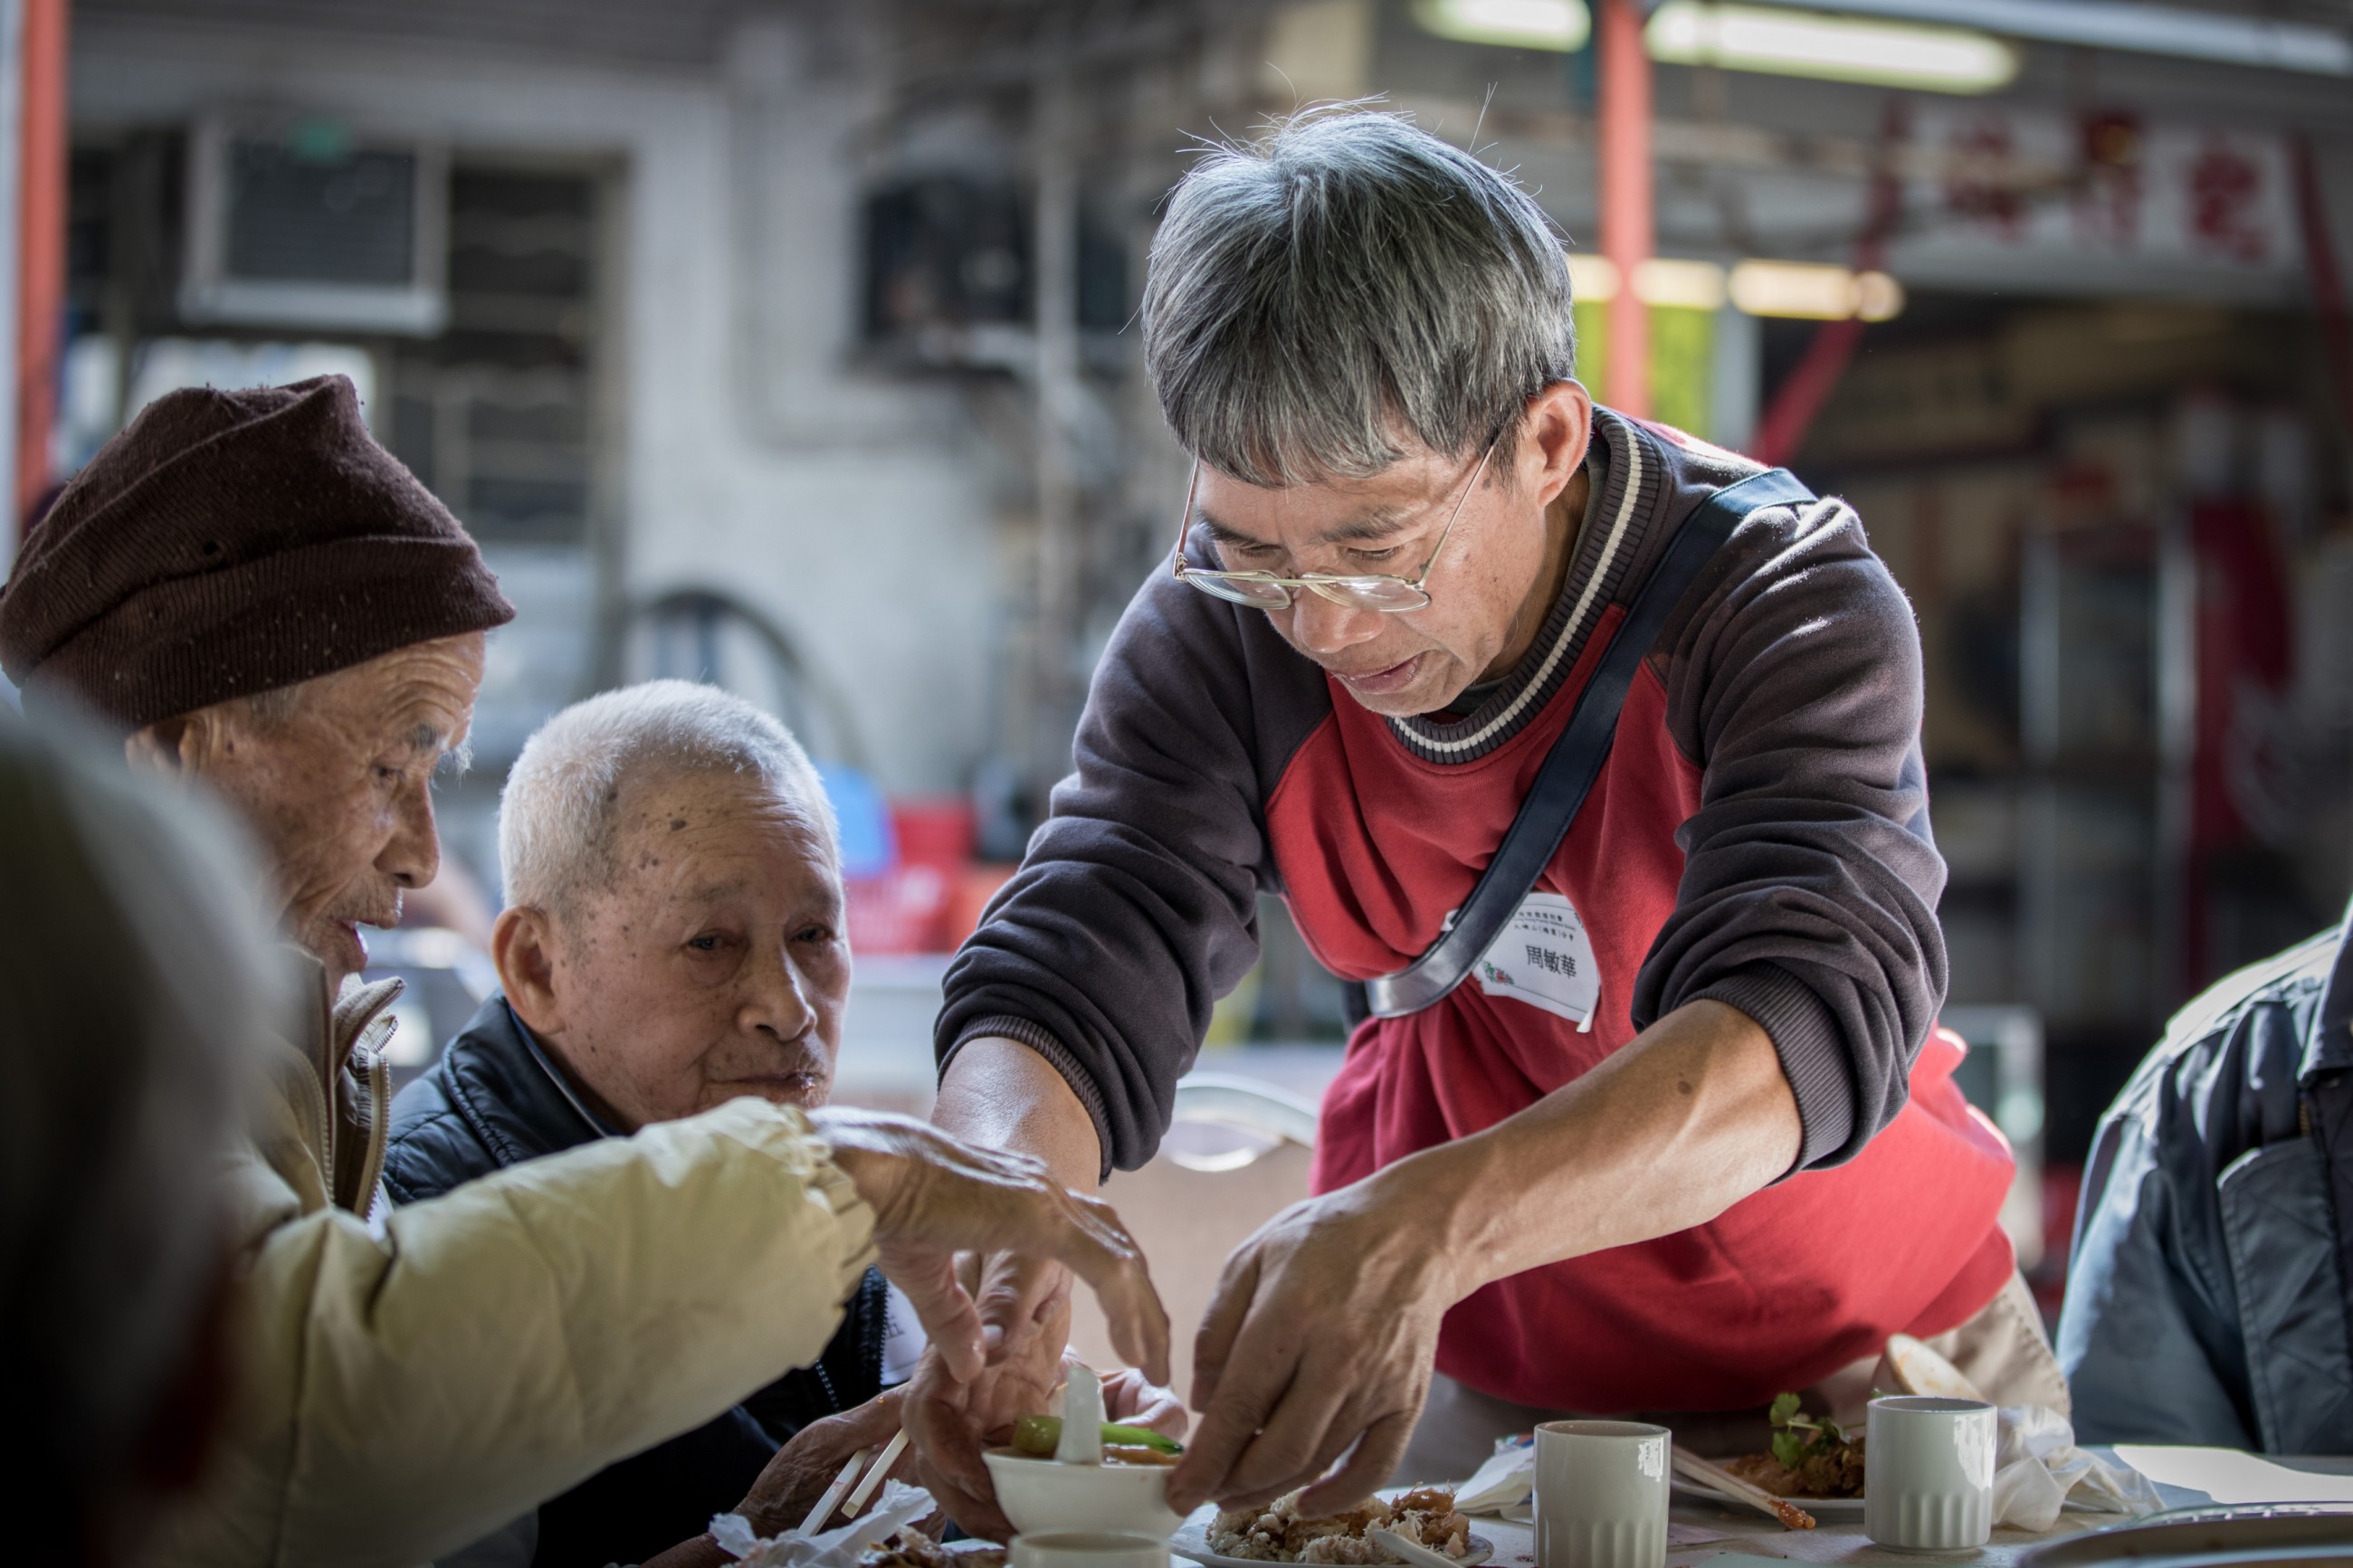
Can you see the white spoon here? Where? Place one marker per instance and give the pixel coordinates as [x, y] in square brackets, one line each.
[1083, 1418]
[1396, 1545]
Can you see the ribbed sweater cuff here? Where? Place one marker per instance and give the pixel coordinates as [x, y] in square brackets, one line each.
[1042, 1041]
[1813, 1053]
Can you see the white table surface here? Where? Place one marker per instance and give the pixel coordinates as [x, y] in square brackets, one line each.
[1843, 1540]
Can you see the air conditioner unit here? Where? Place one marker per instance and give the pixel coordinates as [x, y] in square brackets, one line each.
[298, 222]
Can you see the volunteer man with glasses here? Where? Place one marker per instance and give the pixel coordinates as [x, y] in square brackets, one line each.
[1591, 753]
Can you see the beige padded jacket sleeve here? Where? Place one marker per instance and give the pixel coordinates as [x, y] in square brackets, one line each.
[403, 1395]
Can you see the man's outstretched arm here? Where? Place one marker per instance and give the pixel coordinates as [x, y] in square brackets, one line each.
[1321, 1337]
[1001, 1094]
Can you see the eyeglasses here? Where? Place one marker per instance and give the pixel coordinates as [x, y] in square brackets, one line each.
[1368, 590]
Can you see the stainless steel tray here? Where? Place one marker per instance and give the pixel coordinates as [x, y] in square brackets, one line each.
[2308, 1533]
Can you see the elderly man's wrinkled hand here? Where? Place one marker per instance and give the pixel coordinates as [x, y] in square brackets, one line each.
[1025, 1314]
[1134, 1399]
[797, 1476]
[1319, 1342]
[934, 1197]
[950, 1421]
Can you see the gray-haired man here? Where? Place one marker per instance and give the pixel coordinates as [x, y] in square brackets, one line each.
[1680, 1147]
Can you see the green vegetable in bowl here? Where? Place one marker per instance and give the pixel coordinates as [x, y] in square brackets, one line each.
[1041, 1434]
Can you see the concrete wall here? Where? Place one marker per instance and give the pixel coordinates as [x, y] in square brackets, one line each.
[748, 455]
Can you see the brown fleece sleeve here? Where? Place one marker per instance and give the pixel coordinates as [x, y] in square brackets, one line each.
[1137, 906]
[1811, 880]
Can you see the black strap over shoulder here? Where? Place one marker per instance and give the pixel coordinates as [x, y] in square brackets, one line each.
[1576, 759]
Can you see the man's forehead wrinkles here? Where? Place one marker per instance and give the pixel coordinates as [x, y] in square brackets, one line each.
[1374, 523]
[1225, 534]
[1377, 523]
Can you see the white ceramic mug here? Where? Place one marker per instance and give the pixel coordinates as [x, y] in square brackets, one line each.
[1087, 1549]
[1927, 1473]
[1601, 1494]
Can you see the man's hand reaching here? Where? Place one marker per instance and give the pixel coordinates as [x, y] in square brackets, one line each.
[1024, 1307]
[792, 1482]
[1317, 1345]
[952, 1422]
[934, 1197]
[1001, 1094]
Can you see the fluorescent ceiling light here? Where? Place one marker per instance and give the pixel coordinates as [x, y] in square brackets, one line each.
[1559, 25]
[1591, 277]
[1661, 280]
[1807, 290]
[2257, 41]
[1837, 48]
[1812, 291]
[1693, 285]
[1878, 297]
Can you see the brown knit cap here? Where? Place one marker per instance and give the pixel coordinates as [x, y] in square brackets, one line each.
[230, 542]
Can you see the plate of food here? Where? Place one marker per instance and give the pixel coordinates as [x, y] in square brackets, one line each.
[1425, 1516]
[911, 1548]
[1812, 1463]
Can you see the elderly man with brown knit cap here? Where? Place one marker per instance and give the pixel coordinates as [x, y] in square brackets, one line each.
[256, 595]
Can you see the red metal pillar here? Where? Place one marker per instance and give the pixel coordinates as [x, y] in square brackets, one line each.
[2321, 275]
[40, 246]
[1626, 218]
[1781, 430]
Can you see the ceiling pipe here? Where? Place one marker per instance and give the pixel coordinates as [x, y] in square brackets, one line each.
[2259, 42]
[1800, 399]
[2321, 274]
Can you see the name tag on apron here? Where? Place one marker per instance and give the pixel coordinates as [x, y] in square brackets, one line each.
[1542, 959]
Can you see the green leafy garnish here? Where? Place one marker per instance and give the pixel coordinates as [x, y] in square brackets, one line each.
[1798, 1436]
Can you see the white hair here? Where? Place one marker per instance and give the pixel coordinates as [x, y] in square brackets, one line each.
[556, 814]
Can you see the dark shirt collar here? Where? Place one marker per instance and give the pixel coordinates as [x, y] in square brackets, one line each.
[2330, 1048]
[557, 1076]
[512, 1095]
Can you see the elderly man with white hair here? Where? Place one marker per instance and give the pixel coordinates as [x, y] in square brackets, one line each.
[673, 938]
[258, 600]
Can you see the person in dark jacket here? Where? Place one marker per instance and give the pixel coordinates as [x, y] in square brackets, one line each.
[2208, 1299]
[673, 939]
[639, 991]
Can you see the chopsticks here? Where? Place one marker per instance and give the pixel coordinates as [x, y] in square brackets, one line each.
[841, 1483]
[1720, 1479]
[875, 1475]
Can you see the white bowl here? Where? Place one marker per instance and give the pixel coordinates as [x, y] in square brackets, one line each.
[1040, 1496]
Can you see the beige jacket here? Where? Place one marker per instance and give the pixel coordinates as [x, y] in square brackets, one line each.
[409, 1385]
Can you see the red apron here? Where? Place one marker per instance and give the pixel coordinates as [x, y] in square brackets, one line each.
[1375, 846]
